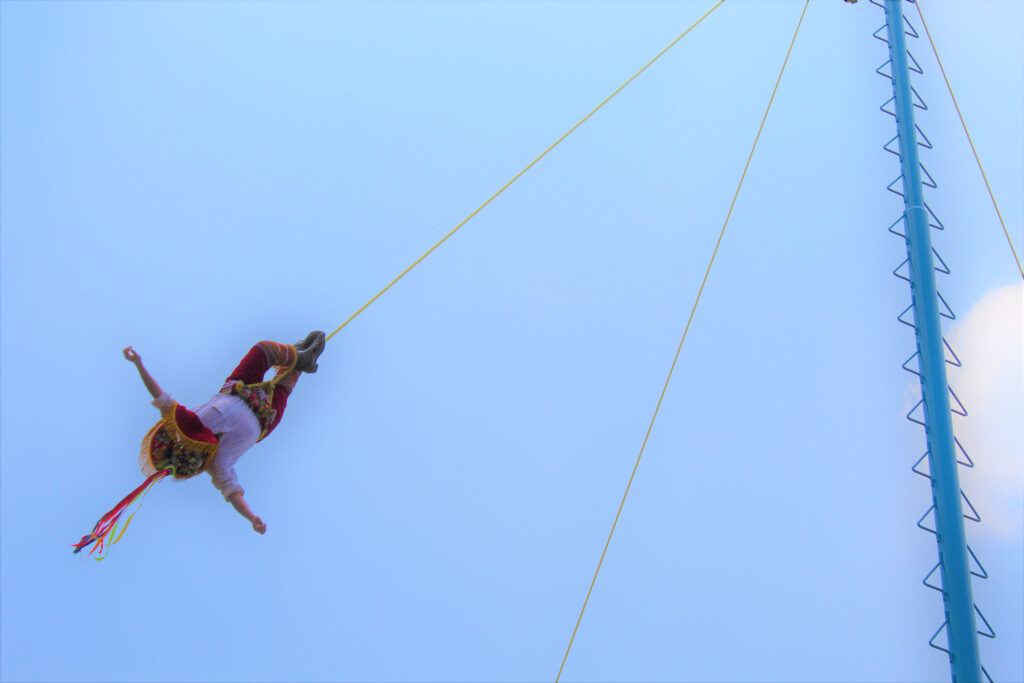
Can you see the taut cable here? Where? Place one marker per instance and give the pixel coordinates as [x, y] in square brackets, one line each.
[680, 347]
[518, 175]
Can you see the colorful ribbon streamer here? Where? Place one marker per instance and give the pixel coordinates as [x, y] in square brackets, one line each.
[105, 527]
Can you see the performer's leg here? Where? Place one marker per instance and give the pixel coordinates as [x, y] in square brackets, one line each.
[286, 380]
[291, 362]
[280, 355]
[285, 358]
[260, 358]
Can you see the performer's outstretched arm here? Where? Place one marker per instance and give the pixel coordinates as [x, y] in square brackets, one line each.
[147, 379]
[238, 501]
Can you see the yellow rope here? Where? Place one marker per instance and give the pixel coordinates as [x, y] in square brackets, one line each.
[680, 348]
[518, 175]
[975, 151]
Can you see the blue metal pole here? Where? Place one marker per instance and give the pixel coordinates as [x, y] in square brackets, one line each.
[958, 601]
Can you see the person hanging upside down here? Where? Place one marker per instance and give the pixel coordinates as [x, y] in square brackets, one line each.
[213, 436]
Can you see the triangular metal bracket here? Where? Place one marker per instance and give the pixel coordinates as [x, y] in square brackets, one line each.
[910, 30]
[906, 364]
[974, 516]
[914, 66]
[929, 182]
[941, 267]
[923, 459]
[957, 409]
[932, 640]
[910, 415]
[891, 112]
[931, 585]
[956, 359]
[967, 461]
[884, 29]
[934, 220]
[905, 322]
[902, 220]
[927, 144]
[948, 312]
[889, 186]
[983, 574]
[905, 266]
[880, 70]
[920, 524]
[889, 149]
[988, 633]
[918, 100]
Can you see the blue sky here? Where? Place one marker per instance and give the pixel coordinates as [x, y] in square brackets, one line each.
[190, 178]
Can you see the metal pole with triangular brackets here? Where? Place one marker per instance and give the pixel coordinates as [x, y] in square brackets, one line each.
[933, 412]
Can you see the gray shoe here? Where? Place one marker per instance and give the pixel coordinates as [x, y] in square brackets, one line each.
[309, 349]
[305, 343]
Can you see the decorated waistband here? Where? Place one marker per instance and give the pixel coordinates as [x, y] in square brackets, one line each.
[258, 399]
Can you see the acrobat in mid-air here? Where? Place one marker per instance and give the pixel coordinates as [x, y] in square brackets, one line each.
[213, 436]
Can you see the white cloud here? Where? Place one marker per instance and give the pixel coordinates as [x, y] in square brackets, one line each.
[989, 340]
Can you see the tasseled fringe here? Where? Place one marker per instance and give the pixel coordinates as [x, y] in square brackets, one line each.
[145, 453]
[104, 528]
